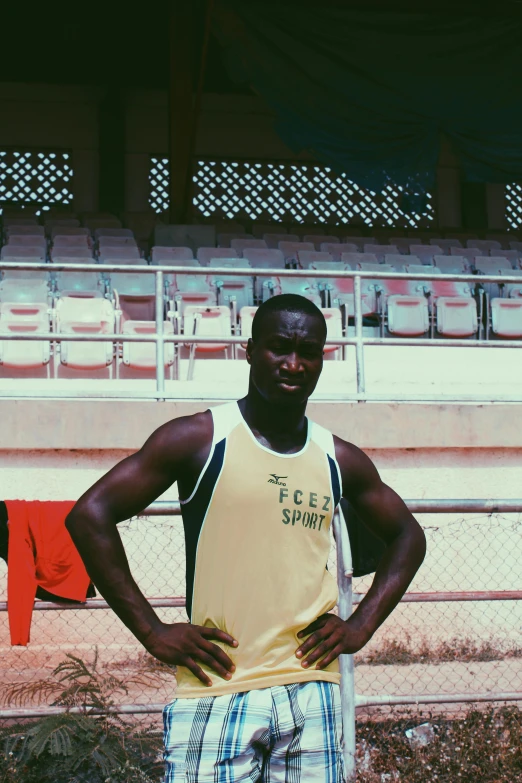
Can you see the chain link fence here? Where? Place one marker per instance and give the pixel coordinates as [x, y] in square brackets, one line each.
[425, 647]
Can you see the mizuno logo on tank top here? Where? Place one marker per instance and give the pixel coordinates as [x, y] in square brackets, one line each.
[257, 531]
[277, 480]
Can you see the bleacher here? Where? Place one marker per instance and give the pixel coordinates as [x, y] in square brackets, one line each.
[222, 305]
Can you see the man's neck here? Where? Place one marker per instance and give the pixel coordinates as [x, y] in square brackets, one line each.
[284, 426]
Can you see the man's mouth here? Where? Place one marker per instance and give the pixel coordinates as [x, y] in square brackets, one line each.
[289, 385]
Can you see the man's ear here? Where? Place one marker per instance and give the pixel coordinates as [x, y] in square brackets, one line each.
[249, 349]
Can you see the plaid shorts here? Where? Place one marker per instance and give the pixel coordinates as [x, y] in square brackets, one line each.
[284, 734]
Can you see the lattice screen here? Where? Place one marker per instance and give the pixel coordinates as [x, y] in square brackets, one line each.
[42, 179]
[286, 193]
[514, 205]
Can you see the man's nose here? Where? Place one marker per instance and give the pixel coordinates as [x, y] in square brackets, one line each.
[292, 363]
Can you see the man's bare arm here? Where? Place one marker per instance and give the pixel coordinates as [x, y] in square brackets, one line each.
[383, 511]
[125, 491]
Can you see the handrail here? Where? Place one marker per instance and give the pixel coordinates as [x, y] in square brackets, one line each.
[261, 272]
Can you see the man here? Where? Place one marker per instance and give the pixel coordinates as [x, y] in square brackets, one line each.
[258, 678]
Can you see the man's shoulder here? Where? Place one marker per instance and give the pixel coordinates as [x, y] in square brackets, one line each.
[186, 433]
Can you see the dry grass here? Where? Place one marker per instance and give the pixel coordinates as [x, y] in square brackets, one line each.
[484, 747]
[393, 652]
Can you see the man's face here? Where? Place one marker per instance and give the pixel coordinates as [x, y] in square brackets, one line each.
[287, 358]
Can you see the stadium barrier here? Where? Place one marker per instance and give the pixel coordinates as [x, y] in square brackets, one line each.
[160, 338]
[347, 599]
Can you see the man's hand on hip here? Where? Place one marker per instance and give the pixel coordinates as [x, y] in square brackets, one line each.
[183, 644]
[329, 637]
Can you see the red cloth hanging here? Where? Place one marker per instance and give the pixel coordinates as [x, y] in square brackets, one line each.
[41, 553]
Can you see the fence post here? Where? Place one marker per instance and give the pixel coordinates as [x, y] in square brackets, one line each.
[346, 664]
[359, 348]
[160, 344]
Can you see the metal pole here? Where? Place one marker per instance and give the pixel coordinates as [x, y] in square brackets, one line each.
[346, 662]
[160, 344]
[359, 347]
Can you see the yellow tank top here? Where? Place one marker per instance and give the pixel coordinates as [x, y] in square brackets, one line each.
[257, 531]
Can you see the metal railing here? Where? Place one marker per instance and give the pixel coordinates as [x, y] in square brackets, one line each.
[346, 601]
[160, 338]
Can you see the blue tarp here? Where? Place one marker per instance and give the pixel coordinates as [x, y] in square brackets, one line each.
[370, 92]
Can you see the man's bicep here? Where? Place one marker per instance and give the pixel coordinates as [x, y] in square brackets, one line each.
[382, 510]
[136, 481]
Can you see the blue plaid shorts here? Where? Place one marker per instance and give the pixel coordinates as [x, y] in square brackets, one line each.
[284, 734]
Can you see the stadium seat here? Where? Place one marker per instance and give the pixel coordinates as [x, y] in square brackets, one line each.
[242, 244]
[9, 222]
[456, 310]
[416, 268]
[206, 322]
[360, 242]
[81, 253]
[191, 290]
[24, 290]
[142, 356]
[84, 285]
[226, 239]
[24, 318]
[25, 274]
[51, 223]
[119, 233]
[306, 258]
[184, 235]
[264, 259]
[26, 240]
[174, 256]
[484, 244]
[104, 241]
[470, 253]
[506, 318]
[407, 316]
[236, 291]
[121, 255]
[514, 245]
[70, 231]
[336, 250]
[320, 239]
[66, 240]
[379, 251]
[426, 253]
[133, 283]
[273, 240]
[512, 256]
[356, 258]
[135, 306]
[17, 252]
[291, 249]
[292, 285]
[445, 245]
[206, 254]
[85, 316]
[492, 265]
[512, 289]
[456, 317]
[403, 243]
[454, 265]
